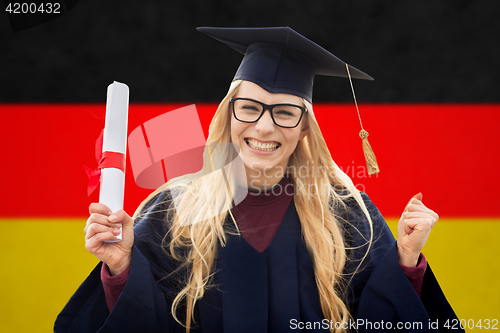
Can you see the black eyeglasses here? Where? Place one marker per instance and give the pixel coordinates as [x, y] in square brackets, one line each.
[250, 111]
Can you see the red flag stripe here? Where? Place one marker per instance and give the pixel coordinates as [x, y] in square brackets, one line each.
[448, 152]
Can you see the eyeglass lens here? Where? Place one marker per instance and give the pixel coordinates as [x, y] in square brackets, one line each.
[284, 115]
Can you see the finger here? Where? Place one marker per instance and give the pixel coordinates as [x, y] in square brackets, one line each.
[424, 215]
[417, 208]
[410, 215]
[420, 224]
[99, 219]
[96, 228]
[99, 208]
[122, 217]
[94, 243]
[422, 209]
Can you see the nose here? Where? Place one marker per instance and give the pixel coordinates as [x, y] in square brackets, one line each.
[265, 125]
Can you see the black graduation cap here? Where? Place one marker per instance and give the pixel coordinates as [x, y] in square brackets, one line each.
[280, 60]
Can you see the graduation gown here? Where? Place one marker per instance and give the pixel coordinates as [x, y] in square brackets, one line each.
[272, 291]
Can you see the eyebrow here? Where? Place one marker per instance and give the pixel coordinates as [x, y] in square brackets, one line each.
[258, 100]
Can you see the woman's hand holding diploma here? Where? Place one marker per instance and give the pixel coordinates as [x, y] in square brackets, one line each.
[414, 227]
[102, 226]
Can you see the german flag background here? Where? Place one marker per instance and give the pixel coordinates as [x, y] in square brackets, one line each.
[433, 113]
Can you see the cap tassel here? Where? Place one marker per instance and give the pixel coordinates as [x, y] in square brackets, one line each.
[371, 160]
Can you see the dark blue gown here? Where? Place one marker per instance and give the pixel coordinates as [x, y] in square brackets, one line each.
[273, 291]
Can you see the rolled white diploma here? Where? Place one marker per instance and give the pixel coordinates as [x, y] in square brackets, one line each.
[115, 139]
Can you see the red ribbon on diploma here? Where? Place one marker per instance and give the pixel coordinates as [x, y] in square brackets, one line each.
[108, 159]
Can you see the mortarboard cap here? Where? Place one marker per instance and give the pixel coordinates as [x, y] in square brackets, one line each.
[280, 60]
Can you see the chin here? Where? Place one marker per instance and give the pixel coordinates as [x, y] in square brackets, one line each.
[262, 165]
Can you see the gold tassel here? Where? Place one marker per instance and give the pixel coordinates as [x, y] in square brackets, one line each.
[371, 160]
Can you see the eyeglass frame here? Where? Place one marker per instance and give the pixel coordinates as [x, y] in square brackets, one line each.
[269, 107]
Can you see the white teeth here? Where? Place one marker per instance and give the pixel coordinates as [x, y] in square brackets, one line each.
[262, 146]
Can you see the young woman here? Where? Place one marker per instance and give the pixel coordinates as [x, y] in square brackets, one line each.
[284, 243]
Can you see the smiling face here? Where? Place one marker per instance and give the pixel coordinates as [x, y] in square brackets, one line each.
[266, 147]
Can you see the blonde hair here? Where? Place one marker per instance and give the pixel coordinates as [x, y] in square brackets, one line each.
[209, 202]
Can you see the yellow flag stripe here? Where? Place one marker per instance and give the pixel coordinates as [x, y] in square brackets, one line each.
[44, 261]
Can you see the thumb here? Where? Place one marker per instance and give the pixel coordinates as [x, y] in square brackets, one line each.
[419, 196]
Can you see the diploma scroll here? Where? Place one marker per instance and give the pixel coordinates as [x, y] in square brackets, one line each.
[115, 140]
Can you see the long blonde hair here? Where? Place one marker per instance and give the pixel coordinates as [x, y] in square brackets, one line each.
[209, 199]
